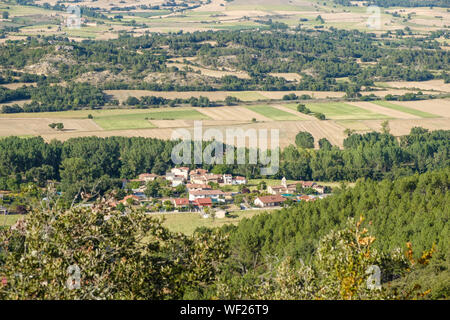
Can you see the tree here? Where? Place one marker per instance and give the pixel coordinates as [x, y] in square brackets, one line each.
[304, 140]
[153, 189]
[5, 14]
[324, 144]
[132, 101]
[320, 116]
[385, 127]
[104, 254]
[262, 185]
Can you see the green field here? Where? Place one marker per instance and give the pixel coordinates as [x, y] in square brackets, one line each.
[10, 219]
[141, 120]
[341, 111]
[415, 112]
[273, 113]
[187, 222]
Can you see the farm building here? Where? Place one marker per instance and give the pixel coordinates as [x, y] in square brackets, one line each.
[269, 201]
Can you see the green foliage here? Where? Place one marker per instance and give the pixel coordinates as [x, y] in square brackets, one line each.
[304, 140]
[118, 256]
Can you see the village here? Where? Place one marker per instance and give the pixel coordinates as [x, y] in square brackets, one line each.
[212, 195]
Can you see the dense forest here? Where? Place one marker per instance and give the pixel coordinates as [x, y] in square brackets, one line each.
[82, 163]
[315, 250]
[412, 209]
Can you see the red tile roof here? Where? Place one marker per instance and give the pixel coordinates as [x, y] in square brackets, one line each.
[203, 202]
[272, 199]
[181, 202]
[206, 192]
[197, 186]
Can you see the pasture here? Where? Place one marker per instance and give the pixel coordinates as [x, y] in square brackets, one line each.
[187, 222]
[398, 107]
[341, 111]
[273, 113]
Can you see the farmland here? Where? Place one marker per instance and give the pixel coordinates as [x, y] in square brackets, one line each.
[341, 111]
[273, 113]
[160, 122]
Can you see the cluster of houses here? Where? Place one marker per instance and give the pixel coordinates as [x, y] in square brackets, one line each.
[201, 193]
[291, 188]
[198, 184]
[184, 175]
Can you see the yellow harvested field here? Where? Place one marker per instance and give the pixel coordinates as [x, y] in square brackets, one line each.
[122, 95]
[190, 123]
[437, 85]
[382, 110]
[232, 113]
[13, 86]
[383, 93]
[403, 127]
[39, 126]
[439, 107]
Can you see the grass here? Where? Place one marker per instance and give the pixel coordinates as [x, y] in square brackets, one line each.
[139, 121]
[9, 219]
[187, 222]
[341, 111]
[403, 109]
[123, 122]
[273, 113]
[247, 95]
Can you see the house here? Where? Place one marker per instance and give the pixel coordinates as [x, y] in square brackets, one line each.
[169, 176]
[198, 179]
[269, 201]
[201, 194]
[319, 189]
[198, 172]
[148, 177]
[284, 188]
[239, 180]
[306, 198]
[182, 172]
[289, 188]
[227, 179]
[308, 184]
[203, 202]
[181, 202]
[197, 187]
[211, 177]
[177, 180]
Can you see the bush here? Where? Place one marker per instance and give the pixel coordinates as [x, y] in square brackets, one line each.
[304, 140]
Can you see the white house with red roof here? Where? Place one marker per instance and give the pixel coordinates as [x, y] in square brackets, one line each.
[269, 201]
[201, 194]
